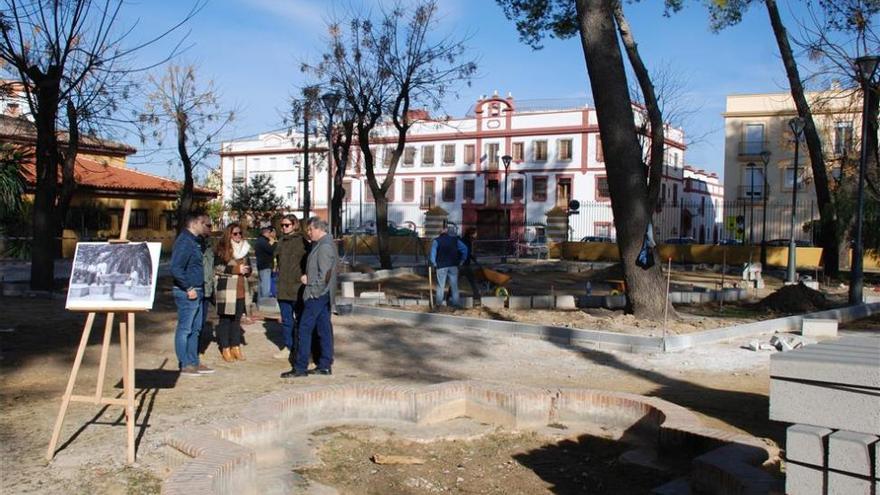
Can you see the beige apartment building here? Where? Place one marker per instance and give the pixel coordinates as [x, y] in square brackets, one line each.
[756, 123]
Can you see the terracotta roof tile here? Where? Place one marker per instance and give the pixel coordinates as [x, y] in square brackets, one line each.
[91, 174]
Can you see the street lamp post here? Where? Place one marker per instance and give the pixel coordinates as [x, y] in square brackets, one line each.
[330, 101]
[765, 158]
[867, 66]
[307, 195]
[506, 161]
[751, 166]
[797, 127]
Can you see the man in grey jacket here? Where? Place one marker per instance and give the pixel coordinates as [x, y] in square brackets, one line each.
[319, 280]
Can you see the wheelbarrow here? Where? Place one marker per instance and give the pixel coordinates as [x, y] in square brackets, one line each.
[492, 282]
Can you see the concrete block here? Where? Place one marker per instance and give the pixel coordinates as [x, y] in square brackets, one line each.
[466, 302]
[824, 404]
[807, 444]
[566, 302]
[818, 328]
[347, 289]
[846, 361]
[850, 452]
[372, 295]
[845, 484]
[675, 297]
[877, 464]
[492, 302]
[519, 302]
[542, 302]
[800, 479]
[406, 302]
[813, 284]
[615, 302]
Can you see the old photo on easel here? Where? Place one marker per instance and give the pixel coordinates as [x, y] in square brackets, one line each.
[108, 276]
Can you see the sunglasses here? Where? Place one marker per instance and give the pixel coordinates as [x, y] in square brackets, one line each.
[236, 233]
[287, 225]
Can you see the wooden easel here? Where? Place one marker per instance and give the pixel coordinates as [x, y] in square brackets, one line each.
[126, 345]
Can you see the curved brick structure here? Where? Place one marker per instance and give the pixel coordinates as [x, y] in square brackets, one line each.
[215, 461]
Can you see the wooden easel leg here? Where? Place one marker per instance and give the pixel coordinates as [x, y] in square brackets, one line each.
[65, 400]
[102, 366]
[129, 390]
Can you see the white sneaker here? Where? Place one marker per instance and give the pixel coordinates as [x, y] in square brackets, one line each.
[284, 353]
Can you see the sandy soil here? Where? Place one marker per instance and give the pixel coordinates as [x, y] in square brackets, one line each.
[499, 463]
[725, 384]
[552, 277]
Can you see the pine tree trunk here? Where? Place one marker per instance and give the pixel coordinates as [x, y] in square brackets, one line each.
[46, 227]
[830, 238]
[382, 231]
[186, 194]
[627, 177]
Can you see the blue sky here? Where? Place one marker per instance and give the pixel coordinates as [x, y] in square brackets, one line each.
[252, 49]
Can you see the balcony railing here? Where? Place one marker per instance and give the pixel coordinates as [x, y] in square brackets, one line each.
[752, 148]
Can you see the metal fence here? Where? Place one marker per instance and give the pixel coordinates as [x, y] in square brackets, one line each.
[705, 222]
[700, 222]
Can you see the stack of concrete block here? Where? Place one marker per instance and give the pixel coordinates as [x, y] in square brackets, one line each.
[831, 392]
[817, 327]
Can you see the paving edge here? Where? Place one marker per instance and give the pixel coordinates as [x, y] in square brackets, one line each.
[217, 462]
[612, 340]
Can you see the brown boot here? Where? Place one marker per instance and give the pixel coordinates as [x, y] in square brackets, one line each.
[236, 353]
[227, 355]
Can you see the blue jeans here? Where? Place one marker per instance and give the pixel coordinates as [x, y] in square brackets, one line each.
[316, 316]
[451, 273]
[189, 324]
[265, 290]
[288, 319]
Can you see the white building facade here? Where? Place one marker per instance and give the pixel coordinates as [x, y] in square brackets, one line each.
[456, 164]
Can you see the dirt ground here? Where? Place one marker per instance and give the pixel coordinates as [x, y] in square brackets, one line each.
[526, 462]
[725, 384]
[552, 278]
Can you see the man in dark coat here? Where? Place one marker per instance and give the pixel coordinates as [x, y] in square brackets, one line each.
[187, 269]
[447, 254]
[319, 280]
[264, 250]
[290, 255]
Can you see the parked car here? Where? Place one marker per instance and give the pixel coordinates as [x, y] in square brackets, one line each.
[785, 243]
[369, 228]
[597, 238]
[730, 242]
[680, 240]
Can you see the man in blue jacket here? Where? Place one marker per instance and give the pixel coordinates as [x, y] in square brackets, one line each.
[187, 269]
[447, 254]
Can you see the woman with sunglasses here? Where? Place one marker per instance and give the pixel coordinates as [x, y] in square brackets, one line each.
[231, 267]
[290, 252]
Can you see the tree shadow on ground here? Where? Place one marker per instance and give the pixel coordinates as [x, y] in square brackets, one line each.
[406, 353]
[43, 327]
[147, 385]
[590, 464]
[744, 410]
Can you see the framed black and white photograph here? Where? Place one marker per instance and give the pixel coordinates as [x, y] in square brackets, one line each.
[109, 276]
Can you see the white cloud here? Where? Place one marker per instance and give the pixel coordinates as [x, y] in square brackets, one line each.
[304, 14]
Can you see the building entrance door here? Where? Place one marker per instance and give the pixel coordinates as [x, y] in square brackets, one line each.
[491, 224]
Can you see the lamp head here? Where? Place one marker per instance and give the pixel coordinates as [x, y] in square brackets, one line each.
[506, 161]
[765, 157]
[867, 66]
[331, 99]
[797, 126]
